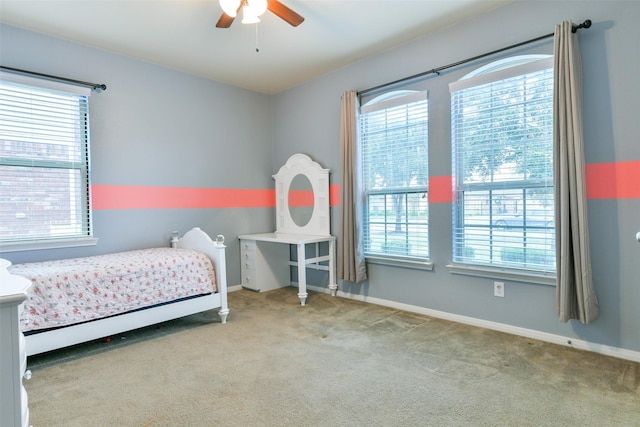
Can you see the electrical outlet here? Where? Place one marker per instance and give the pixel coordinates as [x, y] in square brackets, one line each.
[498, 289]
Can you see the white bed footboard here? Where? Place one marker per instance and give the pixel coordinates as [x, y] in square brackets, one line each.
[200, 241]
[195, 239]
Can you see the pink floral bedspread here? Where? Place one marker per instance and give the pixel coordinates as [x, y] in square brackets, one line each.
[70, 291]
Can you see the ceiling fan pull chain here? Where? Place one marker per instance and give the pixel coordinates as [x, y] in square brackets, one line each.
[257, 47]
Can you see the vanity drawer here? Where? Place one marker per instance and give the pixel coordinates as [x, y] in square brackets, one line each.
[249, 281]
[247, 250]
[264, 265]
[247, 256]
[248, 245]
[248, 273]
[248, 264]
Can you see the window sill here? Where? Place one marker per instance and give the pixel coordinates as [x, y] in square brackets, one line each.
[511, 274]
[396, 262]
[47, 244]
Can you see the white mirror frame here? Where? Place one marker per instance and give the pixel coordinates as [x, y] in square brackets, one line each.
[319, 224]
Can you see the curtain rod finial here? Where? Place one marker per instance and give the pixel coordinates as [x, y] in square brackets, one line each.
[585, 24]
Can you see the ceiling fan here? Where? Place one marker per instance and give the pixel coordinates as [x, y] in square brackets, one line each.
[252, 9]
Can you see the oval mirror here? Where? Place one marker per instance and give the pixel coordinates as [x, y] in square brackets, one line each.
[300, 200]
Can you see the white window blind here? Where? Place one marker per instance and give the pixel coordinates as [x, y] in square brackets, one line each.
[394, 160]
[44, 161]
[502, 148]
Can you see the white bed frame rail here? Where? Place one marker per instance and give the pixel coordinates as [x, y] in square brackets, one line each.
[194, 239]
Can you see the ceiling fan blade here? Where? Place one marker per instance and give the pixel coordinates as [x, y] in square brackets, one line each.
[225, 21]
[285, 13]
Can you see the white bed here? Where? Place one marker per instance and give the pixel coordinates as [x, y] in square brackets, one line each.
[95, 297]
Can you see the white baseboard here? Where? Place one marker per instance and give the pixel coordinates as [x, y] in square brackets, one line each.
[233, 288]
[606, 350]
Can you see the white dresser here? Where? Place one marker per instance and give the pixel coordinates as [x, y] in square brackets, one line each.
[14, 408]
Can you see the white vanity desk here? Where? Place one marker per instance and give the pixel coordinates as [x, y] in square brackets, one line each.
[302, 218]
[265, 267]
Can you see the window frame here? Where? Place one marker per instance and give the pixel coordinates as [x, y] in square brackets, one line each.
[390, 100]
[495, 71]
[84, 236]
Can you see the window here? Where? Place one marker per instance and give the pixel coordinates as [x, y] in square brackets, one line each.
[394, 160]
[44, 163]
[502, 142]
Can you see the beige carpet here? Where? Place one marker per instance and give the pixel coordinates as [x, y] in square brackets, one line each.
[334, 362]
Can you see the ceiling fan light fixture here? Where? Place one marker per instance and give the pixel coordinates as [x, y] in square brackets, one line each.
[230, 7]
[248, 17]
[257, 7]
[253, 9]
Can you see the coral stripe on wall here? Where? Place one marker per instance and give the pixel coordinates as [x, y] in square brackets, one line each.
[147, 197]
[105, 197]
[617, 180]
[334, 195]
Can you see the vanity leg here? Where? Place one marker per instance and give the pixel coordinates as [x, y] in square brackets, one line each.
[302, 274]
[333, 286]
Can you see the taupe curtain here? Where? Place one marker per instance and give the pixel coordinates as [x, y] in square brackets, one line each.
[576, 298]
[351, 264]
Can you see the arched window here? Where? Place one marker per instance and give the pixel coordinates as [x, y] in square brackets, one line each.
[394, 161]
[502, 146]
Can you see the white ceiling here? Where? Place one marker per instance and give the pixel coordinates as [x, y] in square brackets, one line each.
[181, 34]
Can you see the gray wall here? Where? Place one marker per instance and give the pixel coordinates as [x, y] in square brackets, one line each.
[154, 126]
[158, 127]
[611, 60]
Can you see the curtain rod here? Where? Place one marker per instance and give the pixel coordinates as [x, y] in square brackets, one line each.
[95, 86]
[574, 28]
